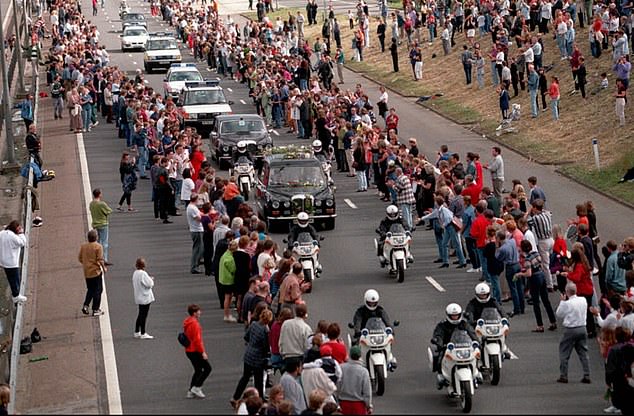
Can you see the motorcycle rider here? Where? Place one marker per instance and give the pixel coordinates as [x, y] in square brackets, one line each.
[241, 151]
[482, 299]
[318, 151]
[391, 218]
[303, 226]
[442, 335]
[371, 309]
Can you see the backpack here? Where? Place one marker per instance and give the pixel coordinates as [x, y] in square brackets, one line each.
[624, 260]
[182, 339]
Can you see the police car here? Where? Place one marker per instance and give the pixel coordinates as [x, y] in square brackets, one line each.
[200, 102]
[161, 51]
[134, 37]
[176, 77]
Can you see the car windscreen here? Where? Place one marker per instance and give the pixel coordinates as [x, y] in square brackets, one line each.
[241, 126]
[161, 44]
[197, 97]
[134, 32]
[185, 76]
[296, 176]
[133, 17]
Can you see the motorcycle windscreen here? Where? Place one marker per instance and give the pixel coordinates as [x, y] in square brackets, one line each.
[304, 238]
[375, 325]
[397, 229]
[460, 338]
[490, 316]
[243, 160]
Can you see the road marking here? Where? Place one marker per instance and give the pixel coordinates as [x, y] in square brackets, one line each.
[229, 89]
[243, 102]
[133, 62]
[130, 55]
[275, 133]
[107, 342]
[435, 284]
[513, 356]
[350, 203]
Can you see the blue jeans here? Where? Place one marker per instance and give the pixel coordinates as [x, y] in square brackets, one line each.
[142, 163]
[467, 73]
[13, 277]
[533, 94]
[451, 234]
[303, 84]
[406, 211]
[300, 129]
[494, 74]
[438, 235]
[362, 179]
[103, 240]
[561, 44]
[432, 32]
[494, 281]
[516, 287]
[554, 108]
[86, 113]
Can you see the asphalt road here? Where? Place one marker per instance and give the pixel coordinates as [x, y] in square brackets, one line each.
[154, 375]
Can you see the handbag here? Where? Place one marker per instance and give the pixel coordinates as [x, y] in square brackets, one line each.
[457, 222]
[183, 340]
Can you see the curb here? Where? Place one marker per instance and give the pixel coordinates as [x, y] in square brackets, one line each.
[595, 189]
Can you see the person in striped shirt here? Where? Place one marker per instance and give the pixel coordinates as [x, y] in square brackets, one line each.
[540, 223]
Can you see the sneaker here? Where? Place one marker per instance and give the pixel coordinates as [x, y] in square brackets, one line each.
[197, 391]
[471, 270]
[137, 335]
[97, 312]
[120, 209]
[95, 123]
[19, 299]
[146, 336]
[612, 410]
[230, 319]
[190, 395]
[586, 380]
[85, 311]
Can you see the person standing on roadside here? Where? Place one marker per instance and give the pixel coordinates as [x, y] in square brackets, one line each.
[553, 92]
[196, 352]
[91, 258]
[142, 283]
[100, 213]
[394, 52]
[496, 167]
[354, 388]
[26, 110]
[573, 310]
[12, 240]
[196, 231]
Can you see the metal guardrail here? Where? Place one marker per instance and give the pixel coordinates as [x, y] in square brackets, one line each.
[24, 272]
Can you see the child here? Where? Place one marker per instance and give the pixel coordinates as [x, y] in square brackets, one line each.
[604, 80]
[329, 364]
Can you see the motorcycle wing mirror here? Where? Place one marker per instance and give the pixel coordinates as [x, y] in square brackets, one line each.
[230, 102]
[285, 241]
[396, 323]
[350, 325]
[321, 238]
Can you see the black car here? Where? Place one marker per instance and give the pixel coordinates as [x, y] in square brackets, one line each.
[133, 19]
[290, 184]
[228, 130]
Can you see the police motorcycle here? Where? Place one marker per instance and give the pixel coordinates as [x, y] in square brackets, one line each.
[492, 330]
[124, 8]
[304, 244]
[457, 361]
[395, 251]
[243, 169]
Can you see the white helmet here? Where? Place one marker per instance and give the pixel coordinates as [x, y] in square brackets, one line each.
[453, 309]
[302, 219]
[242, 146]
[392, 212]
[371, 299]
[483, 292]
[317, 146]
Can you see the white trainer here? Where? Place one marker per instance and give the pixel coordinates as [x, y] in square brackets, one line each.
[198, 392]
[471, 270]
[612, 410]
[146, 336]
[230, 319]
[137, 335]
[19, 299]
[190, 395]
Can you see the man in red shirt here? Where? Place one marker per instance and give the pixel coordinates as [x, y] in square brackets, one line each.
[339, 350]
[484, 218]
[471, 189]
[391, 121]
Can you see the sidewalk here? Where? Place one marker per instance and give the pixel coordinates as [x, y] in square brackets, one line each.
[69, 381]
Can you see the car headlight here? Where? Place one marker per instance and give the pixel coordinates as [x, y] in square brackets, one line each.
[225, 148]
[318, 203]
[275, 204]
[330, 202]
[287, 204]
[193, 116]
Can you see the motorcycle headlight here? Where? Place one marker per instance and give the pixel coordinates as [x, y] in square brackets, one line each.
[463, 353]
[492, 330]
[330, 202]
[377, 339]
[275, 204]
[287, 204]
[480, 322]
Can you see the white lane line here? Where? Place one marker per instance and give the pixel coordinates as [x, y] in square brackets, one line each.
[130, 55]
[133, 62]
[350, 203]
[243, 102]
[229, 89]
[107, 342]
[513, 355]
[434, 283]
[275, 133]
